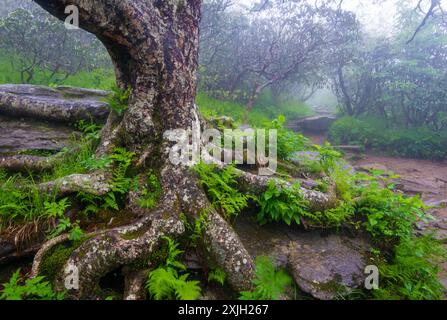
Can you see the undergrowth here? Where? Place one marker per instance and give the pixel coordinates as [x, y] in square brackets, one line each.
[31, 289]
[170, 281]
[269, 283]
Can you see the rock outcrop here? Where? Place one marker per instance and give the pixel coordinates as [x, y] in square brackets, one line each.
[61, 104]
[323, 266]
[22, 136]
[315, 124]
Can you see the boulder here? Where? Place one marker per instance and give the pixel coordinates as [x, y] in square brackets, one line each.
[62, 104]
[322, 266]
[315, 124]
[20, 135]
[327, 266]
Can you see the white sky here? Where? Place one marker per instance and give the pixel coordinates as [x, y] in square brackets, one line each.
[375, 15]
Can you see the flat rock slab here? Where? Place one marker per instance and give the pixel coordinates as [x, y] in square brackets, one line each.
[19, 135]
[62, 104]
[321, 265]
[326, 266]
[315, 124]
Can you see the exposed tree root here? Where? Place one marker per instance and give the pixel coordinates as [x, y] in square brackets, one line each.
[97, 183]
[256, 184]
[24, 163]
[44, 250]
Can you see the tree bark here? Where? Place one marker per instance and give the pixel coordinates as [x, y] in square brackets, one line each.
[154, 48]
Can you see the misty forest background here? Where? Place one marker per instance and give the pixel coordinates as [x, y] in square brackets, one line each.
[258, 64]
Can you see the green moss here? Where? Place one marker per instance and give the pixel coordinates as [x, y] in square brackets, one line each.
[333, 286]
[53, 262]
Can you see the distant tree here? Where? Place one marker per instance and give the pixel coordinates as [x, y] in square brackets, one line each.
[286, 44]
[36, 40]
[403, 82]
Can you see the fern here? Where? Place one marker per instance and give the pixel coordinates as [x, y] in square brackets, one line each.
[150, 194]
[413, 272]
[32, 289]
[56, 209]
[284, 204]
[197, 228]
[217, 275]
[120, 185]
[118, 101]
[269, 283]
[166, 282]
[220, 188]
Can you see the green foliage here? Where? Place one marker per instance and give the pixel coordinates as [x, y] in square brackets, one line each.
[288, 142]
[413, 271]
[56, 209]
[416, 142]
[64, 225]
[121, 159]
[269, 282]
[169, 281]
[96, 79]
[151, 193]
[327, 157]
[27, 203]
[217, 275]
[197, 228]
[31, 289]
[221, 189]
[282, 204]
[389, 215]
[335, 217]
[118, 101]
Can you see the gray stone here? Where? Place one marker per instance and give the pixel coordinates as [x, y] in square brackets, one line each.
[62, 104]
[19, 135]
[322, 266]
[315, 124]
[327, 266]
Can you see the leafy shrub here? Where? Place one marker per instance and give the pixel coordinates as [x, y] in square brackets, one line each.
[417, 142]
[31, 289]
[413, 271]
[269, 282]
[288, 142]
[389, 215]
[282, 204]
[220, 188]
[167, 282]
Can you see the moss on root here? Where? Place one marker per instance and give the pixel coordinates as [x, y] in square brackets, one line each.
[55, 259]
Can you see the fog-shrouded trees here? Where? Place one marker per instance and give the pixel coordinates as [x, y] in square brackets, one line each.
[35, 41]
[398, 80]
[283, 44]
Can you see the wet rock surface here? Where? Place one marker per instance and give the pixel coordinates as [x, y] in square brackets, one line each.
[62, 104]
[322, 265]
[315, 124]
[23, 135]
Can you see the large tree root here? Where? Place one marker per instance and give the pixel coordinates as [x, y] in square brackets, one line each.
[97, 183]
[24, 163]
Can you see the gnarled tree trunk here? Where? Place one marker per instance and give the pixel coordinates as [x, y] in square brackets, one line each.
[154, 48]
